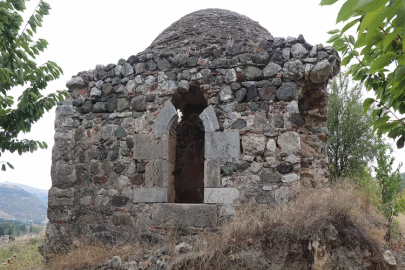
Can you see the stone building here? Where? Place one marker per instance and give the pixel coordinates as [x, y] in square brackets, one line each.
[216, 112]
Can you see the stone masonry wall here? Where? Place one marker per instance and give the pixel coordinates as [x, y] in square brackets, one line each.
[264, 123]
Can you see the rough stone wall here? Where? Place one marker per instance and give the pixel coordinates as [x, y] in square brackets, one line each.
[113, 163]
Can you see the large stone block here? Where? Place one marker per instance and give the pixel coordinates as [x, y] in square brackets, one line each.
[287, 91]
[282, 195]
[220, 195]
[64, 110]
[194, 215]
[150, 195]
[253, 144]
[75, 83]
[63, 175]
[156, 173]
[222, 145]
[209, 119]
[289, 142]
[321, 72]
[151, 146]
[165, 119]
[212, 173]
[59, 196]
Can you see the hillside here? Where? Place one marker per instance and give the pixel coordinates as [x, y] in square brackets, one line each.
[41, 194]
[17, 203]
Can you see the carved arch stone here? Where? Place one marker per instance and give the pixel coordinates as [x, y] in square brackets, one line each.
[209, 119]
[168, 115]
[165, 119]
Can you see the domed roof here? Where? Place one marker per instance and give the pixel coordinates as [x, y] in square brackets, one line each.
[210, 26]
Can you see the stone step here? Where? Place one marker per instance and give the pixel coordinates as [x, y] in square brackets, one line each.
[193, 215]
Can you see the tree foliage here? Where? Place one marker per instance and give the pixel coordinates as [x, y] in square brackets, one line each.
[387, 178]
[380, 60]
[18, 51]
[351, 144]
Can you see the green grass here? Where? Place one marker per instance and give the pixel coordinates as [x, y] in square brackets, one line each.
[26, 249]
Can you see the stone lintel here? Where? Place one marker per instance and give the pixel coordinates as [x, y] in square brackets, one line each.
[194, 215]
[150, 195]
[222, 145]
[220, 195]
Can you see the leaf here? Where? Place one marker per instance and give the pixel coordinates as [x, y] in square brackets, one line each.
[367, 20]
[352, 40]
[361, 41]
[371, 5]
[331, 32]
[377, 24]
[346, 60]
[366, 50]
[3, 167]
[400, 19]
[11, 166]
[400, 142]
[389, 125]
[394, 133]
[339, 42]
[391, 36]
[367, 104]
[399, 73]
[347, 10]
[333, 38]
[382, 61]
[40, 145]
[348, 26]
[327, 2]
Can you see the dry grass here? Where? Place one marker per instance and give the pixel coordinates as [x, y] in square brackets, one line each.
[87, 254]
[22, 253]
[401, 223]
[304, 218]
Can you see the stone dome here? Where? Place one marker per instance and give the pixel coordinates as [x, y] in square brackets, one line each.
[211, 26]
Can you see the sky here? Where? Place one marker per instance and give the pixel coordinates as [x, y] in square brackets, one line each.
[84, 33]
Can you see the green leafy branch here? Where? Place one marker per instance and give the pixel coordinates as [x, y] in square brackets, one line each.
[18, 51]
[379, 51]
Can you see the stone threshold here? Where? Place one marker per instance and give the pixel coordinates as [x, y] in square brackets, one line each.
[188, 215]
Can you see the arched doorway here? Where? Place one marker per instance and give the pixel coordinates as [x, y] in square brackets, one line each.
[189, 135]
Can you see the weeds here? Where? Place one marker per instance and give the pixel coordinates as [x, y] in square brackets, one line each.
[305, 218]
[87, 254]
[302, 220]
[22, 254]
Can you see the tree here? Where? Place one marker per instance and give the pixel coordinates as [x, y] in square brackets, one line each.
[18, 51]
[380, 60]
[351, 145]
[388, 179]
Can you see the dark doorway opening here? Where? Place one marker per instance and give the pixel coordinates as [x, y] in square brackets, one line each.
[189, 163]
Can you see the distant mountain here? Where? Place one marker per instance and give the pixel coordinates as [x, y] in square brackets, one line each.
[17, 203]
[41, 194]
